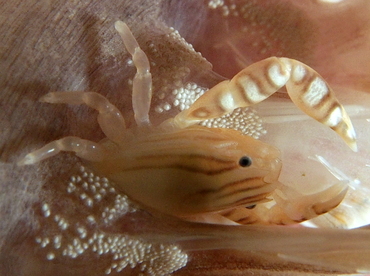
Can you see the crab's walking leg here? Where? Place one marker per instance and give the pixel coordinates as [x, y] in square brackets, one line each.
[85, 149]
[257, 82]
[109, 118]
[142, 83]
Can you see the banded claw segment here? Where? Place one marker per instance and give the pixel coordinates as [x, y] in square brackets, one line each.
[305, 86]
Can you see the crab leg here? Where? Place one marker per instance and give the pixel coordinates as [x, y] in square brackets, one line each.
[142, 83]
[306, 88]
[85, 149]
[109, 118]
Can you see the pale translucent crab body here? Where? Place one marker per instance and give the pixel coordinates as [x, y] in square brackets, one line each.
[198, 173]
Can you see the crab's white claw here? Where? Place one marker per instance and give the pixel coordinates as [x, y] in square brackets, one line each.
[312, 95]
[306, 88]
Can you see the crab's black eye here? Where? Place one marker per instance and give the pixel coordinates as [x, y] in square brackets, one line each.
[251, 206]
[245, 161]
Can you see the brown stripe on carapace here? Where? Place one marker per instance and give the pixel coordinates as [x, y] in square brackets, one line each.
[226, 164]
[244, 201]
[175, 138]
[211, 138]
[201, 156]
[242, 183]
[229, 186]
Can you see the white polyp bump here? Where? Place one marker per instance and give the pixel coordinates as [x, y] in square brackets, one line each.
[335, 117]
[91, 219]
[274, 73]
[298, 73]
[46, 210]
[167, 106]
[57, 241]
[227, 101]
[50, 256]
[251, 89]
[316, 92]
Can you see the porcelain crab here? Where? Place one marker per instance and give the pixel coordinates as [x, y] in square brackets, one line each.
[205, 174]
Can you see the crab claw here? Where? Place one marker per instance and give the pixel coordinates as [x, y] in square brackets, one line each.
[257, 82]
[300, 207]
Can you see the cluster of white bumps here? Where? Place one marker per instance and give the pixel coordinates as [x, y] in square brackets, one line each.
[123, 249]
[214, 4]
[243, 119]
[186, 96]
